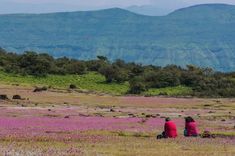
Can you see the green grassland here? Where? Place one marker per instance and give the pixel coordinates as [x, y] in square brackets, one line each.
[91, 81]
[171, 91]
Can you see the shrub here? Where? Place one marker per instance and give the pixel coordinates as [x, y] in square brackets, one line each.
[40, 89]
[72, 86]
[137, 86]
[3, 97]
[16, 97]
[163, 93]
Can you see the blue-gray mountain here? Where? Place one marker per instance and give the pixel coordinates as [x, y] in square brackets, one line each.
[203, 35]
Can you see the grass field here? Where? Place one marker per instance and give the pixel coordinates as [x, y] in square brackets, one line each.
[171, 91]
[91, 82]
[64, 123]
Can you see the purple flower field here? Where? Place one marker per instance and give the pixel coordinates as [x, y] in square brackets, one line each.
[40, 122]
[106, 125]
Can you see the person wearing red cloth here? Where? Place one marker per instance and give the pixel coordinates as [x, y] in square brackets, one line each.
[170, 130]
[190, 127]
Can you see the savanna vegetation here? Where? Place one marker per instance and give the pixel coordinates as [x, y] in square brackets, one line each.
[127, 78]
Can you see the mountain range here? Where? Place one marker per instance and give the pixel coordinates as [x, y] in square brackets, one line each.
[203, 35]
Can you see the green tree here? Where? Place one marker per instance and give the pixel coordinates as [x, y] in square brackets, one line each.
[109, 72]
[102, 58]
[137, 85]
[35, 64]
[76, 67]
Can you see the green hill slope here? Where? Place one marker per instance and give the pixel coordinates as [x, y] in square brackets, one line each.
[90, 82]
[203, 35]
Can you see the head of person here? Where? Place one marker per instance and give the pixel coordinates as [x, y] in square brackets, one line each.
[168, 119]
[189, 119]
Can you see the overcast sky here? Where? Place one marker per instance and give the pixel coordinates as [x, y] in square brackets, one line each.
[41, 6]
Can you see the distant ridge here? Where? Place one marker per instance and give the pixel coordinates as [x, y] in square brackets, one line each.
[203, 35]
[115, 9]
[212, 7]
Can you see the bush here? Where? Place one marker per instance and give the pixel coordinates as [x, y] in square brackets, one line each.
[16, 97]
[3, 97]
[137, 86]
[203, 81]
[76, 67]
[72, 86]
[35, 64]
[40, 89]
[109, 72]
[163, 93]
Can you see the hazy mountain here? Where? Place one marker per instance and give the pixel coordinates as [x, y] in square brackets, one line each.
[203, 35]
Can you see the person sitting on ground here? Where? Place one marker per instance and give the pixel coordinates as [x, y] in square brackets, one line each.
[190, 127]
[170, 130]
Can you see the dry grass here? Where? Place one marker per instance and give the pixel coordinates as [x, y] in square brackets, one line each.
[216, 114]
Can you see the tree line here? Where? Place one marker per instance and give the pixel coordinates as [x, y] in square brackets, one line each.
[203, 81]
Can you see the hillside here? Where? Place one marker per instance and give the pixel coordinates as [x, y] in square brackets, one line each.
[203, 35]
[89, 83]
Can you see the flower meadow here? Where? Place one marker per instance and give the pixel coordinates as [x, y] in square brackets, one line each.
[72, 133]
[52, 123]
[46, 122]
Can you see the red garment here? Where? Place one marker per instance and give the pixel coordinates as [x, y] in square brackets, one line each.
[191, 128]
[170, 129]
